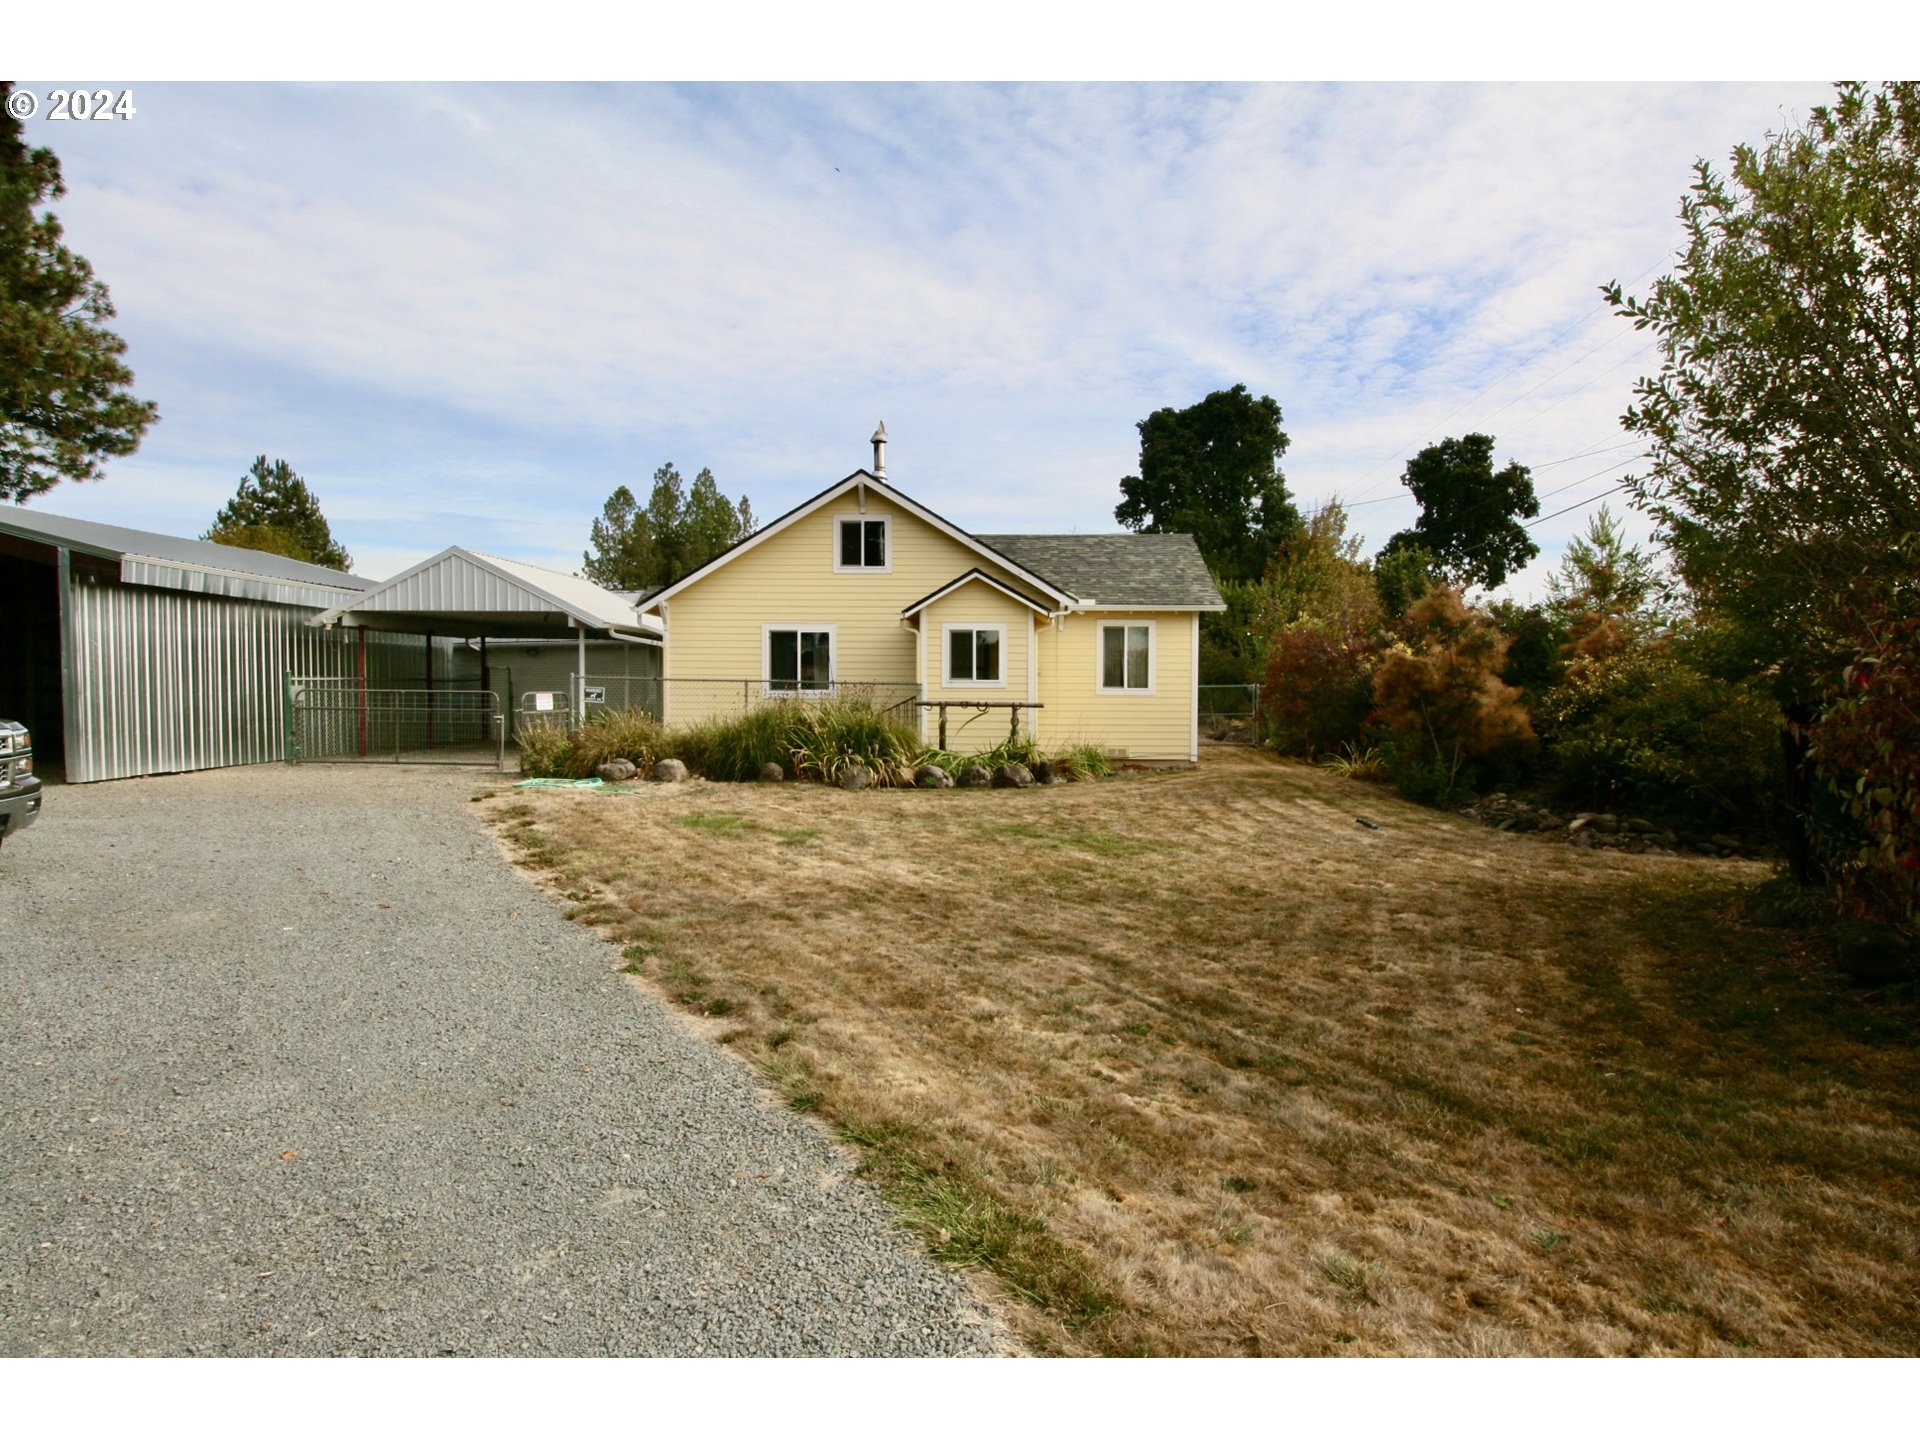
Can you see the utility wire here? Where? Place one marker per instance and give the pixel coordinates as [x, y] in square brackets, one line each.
[1565, 459]
[1511, 370]
[1580, 505]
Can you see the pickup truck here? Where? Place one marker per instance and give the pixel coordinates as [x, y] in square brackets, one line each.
[19, 791]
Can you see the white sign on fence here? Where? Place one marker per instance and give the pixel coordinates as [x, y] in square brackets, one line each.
[543, 700]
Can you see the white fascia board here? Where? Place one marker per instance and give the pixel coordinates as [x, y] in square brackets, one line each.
[827, 497]
[968, 579]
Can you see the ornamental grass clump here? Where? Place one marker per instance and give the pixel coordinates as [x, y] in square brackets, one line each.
[617, 735]
[545, 750]
[836, 735]
[736, 748]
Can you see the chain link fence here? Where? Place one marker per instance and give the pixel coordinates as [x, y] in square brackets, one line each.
[1229, 712]
[679, 701]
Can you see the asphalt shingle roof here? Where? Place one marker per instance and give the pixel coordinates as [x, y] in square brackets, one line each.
[1148, 571]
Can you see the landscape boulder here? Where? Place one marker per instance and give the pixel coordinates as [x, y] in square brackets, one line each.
[1872, 954]
[617, 771]
[976, 777]
[670, 772]
[855, 777]
[932, 777]
[1043, 772]
[1012, 776]
[772, 772]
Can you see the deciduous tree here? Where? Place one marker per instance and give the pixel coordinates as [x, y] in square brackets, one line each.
[1212, 471]
[1470, 513]
[1785, 453]
[65, 402]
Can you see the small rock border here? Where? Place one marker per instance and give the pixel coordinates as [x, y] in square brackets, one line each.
[1598, 830]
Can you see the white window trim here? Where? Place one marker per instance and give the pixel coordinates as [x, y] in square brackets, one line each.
[846, 515]
[832, 633]
[947, 681]
[1100, 654]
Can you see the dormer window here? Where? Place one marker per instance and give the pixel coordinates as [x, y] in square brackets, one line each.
[864, 544]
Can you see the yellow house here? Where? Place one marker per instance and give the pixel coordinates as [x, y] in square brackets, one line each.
[862, 590]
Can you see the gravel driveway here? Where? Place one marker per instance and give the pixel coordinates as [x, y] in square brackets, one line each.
[296, 1064]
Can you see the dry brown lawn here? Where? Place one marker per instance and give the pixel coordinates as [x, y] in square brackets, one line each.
[1193, 1063]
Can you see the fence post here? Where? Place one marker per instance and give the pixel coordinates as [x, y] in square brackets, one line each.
[291, 745]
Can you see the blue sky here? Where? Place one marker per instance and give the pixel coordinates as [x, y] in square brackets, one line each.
[465, 313]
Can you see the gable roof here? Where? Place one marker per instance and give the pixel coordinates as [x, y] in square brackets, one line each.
[174, 563]
[827, 497]
[465, 585]
[985, 579]
[1137, 572]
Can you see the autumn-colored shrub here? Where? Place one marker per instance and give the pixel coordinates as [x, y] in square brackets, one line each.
[1866, 746]
[1645, 732]
[1439, 695]
[1318, 688]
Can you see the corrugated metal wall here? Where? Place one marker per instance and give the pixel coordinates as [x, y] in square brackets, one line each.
[166, 680]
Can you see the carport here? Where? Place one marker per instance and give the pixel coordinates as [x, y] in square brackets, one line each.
[472, 597]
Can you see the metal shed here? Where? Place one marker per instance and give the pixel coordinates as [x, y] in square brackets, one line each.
[131, 653]
[603, 639]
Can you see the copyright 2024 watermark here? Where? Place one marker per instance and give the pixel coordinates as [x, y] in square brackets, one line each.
[72, 104]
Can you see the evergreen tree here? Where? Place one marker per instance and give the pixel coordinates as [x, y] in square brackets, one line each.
[275, 511]
[64, 400]
[677, 532]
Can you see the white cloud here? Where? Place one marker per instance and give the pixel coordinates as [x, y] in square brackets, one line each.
[483, 307]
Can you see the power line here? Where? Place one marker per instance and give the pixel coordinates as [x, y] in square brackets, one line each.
[1513, 369]
[1580, 505]
[1563, 460]
[1640, 354]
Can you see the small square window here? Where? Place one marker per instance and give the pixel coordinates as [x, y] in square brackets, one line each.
[799, 660]
[863, 545]
[973, 654]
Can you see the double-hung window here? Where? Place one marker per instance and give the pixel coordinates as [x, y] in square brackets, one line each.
[799, 658]
[974, 654]
[1126, 657]
[862, 544]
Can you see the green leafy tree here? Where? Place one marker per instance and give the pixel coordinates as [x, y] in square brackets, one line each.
[1785, 461]
[1315, 576]
[1470, 513]
[1402, 573]
[678, 531]
[275, 511]
[64, 398]
[1212, 471]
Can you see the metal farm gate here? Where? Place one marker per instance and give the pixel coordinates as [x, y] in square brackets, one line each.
[334, 719]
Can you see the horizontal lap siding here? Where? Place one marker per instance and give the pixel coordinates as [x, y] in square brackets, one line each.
[714, 625]
[1136, 727]
[971, 731]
